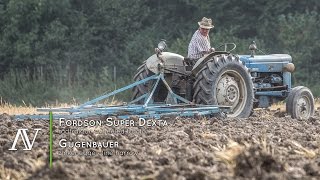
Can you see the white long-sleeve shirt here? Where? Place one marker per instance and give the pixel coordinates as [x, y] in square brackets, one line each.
[198, 45]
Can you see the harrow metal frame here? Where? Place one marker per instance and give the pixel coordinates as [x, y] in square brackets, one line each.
[179, 107]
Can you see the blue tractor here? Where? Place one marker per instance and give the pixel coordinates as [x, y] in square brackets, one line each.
[243, 82]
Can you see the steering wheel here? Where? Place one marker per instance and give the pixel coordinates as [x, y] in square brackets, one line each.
[226, 46]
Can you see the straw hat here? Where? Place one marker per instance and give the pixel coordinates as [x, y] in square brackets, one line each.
[205, 23]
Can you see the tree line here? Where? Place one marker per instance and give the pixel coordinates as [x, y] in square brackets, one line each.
[67, 50]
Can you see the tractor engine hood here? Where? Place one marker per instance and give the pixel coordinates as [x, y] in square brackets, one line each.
[170, 61]
[268, 63]
[266, 58]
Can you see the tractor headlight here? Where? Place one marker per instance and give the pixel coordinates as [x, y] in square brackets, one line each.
[162, 45]
[289, 67]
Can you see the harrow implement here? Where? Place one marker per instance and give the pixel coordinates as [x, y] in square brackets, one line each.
[178, 106]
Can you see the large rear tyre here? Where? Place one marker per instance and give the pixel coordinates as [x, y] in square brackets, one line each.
[141, 89]
[300, 103]
[224, 80]
[142, 73]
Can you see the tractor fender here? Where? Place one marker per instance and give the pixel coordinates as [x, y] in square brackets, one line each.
[202, 61]
[199, 64]
[170, 61]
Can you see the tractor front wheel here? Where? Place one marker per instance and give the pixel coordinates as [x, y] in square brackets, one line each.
[300, 103]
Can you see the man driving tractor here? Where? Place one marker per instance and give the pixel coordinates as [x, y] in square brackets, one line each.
[200, 41]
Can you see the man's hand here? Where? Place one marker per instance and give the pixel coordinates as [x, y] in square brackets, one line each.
[211, 50]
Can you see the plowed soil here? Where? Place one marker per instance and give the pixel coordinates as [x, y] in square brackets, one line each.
[268, 145]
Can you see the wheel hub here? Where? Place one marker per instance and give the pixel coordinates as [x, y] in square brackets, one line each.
[232, 93]
[227, 91]
[303, 107]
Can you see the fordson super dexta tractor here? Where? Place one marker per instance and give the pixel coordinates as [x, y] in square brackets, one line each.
[167, 84]
[242, 82]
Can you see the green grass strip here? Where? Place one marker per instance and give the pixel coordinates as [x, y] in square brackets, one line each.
[51, 139]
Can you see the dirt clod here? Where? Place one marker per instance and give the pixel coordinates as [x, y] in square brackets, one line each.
[254, 162]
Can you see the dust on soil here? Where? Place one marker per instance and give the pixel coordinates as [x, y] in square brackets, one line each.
[268, 145]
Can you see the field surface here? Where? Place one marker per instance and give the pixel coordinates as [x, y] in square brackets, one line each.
[268, 145]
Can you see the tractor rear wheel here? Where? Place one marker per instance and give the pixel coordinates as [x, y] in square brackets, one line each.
[141, 89]
[224, 80]
[300, 103]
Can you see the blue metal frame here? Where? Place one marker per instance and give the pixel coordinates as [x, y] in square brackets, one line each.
[272, 93]
[146, 110]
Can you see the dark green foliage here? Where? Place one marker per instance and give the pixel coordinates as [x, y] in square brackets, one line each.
[62, 49]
